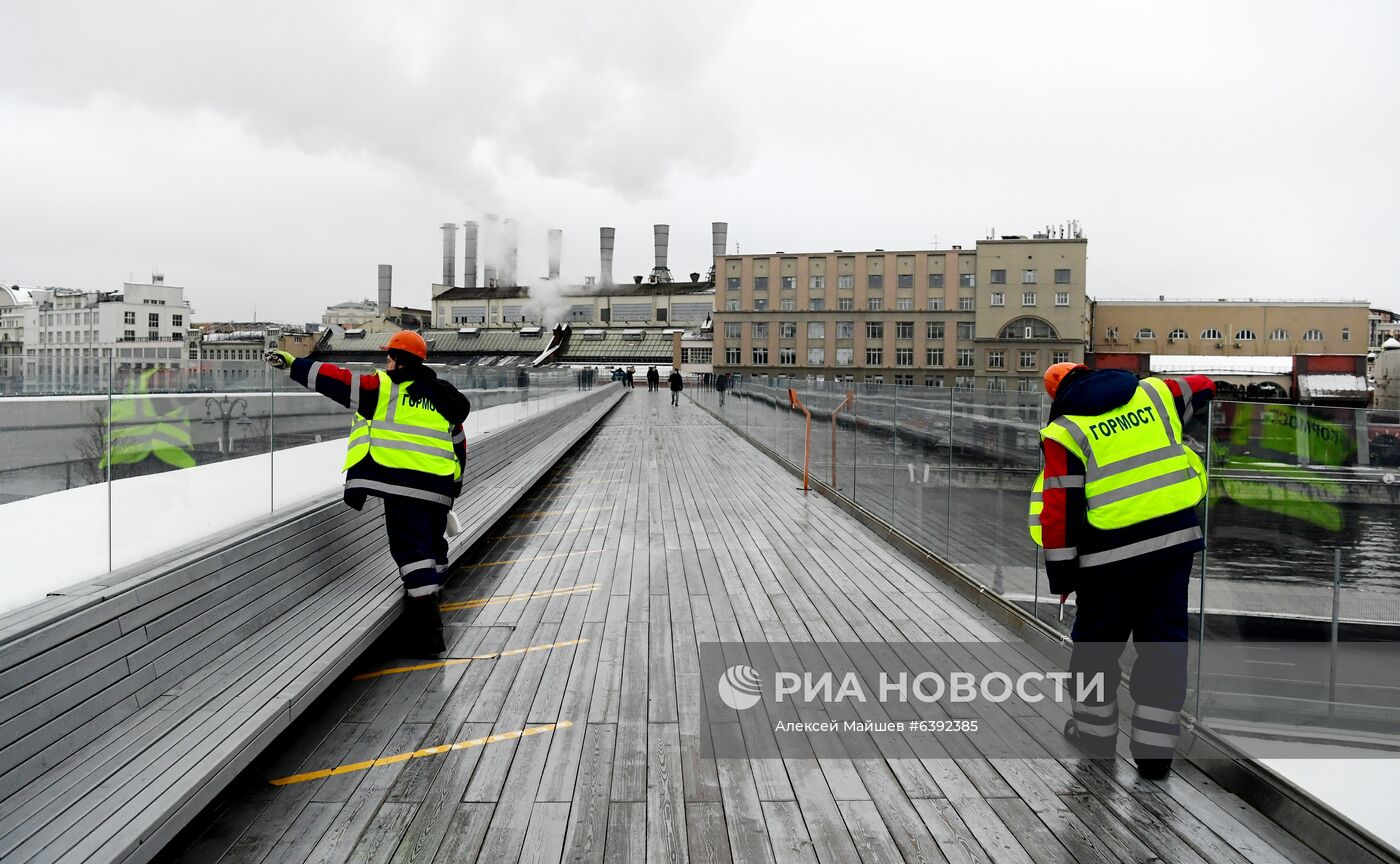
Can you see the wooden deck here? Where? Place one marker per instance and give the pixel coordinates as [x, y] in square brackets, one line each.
[576, 728]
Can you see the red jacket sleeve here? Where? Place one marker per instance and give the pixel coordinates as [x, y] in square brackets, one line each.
[1062, 514]
[1192, 394]
[358, 392]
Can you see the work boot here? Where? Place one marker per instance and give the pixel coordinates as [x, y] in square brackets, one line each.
[1093, 746]
[1154, 769]
[423, 626]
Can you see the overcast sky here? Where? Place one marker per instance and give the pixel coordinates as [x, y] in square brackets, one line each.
[271, 154]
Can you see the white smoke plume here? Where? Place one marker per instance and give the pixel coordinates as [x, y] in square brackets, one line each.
[547, 303]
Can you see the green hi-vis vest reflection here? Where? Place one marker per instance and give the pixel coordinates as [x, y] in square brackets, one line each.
[140, 431]
[1266, 460]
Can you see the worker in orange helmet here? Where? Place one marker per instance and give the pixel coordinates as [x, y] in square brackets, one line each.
[407, 448]
[1115, 510]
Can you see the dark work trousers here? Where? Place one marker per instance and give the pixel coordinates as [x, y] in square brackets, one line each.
[418, 542]
[1146, 602]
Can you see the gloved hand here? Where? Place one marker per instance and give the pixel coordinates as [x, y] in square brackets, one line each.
[278, 359]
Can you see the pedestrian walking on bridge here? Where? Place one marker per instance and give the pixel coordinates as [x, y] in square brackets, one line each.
[406, 447]
[1115, 510]
[677, 385]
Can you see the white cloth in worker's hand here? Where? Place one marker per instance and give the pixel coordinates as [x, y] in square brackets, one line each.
[454, 526]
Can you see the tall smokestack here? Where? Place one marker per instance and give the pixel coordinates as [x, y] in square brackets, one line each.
[556, 251]
[469, 231]
[491, 242]
[449, 254]
[719, 233]
[386, 288]
[509, 272]
[606, 236]
[662, 234]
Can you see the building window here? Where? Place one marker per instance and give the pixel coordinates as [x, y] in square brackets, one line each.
[787, 329]
[905, 280]
[874, 356]
[816, 283]
[787, 304]
[904, 304]
[874, 330]
[998, 298]
[1208, 333]
[1062, 276]
[962, 382]
[816, 356]
[934, 330]
[760, 283]
[1146, 333]
[787, 356]
[731, 329]
[965, 358]
[731, 356]
[933, 357]
[1029, 277]
[875, 304]
[731, 305]
[933, 380]
[816, 304]
[787, 283]
[1279, 334]
[128, 317]
[127, 335]
[816, 329]
[967, 280]
[998, 277]
[1178, 333]
[1028, 298]
[1313, 335]
[845, 304]
[845, 283]
[935, 280]
[760, 356]
[1244, 335]
[1024, 385]
[874, 281]
[760, 330]
[997, 383]
[935, 304]
[904, 329]
[965, 329]
[153, 335]
[1029, 359]
[760, 304]
[904, 356]
[967, 304]
[177, 320]
[153, 319]
[732, 283]
[996, 360]
[845, 356]
[1061, 298]
[1059, 357]
[845, 329]
[1346, 334]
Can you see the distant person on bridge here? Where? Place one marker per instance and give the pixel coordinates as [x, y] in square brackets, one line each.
[653, 379]
[406, 447]
[1115, 510]
[721, 385]
[677, 385]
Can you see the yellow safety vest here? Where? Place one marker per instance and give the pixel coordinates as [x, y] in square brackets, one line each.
[404, 433]
[139, 431]
[1136, 467]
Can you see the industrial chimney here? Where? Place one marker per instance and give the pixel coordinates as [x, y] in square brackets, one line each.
[606, 236]
[662, 235]
[449, 254]
[509, 271]
[386, 290]
[491, 249]
[469, 231]
[555, 242]
[719, 233]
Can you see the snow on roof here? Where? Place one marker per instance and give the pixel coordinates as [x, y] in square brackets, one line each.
[1392, 342]
[1208, 365]
[1331, 386]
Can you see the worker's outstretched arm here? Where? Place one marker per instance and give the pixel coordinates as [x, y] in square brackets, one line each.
[358, 392]
[1192, 395]
[1062, 516]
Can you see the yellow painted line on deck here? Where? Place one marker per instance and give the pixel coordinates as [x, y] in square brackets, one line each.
[536, 558]
[534, 513]
[459, 661]
[517, 598]
[419, 754]
[542, 533]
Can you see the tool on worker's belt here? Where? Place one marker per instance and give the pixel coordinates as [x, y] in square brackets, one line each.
[1063, 598]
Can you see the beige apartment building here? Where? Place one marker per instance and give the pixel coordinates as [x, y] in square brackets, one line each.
[1230, 328]
[993, 317]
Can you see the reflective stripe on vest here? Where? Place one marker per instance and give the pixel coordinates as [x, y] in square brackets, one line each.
[1136, 467]
[401, 434]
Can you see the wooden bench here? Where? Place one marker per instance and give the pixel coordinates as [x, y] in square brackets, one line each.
[128, 702]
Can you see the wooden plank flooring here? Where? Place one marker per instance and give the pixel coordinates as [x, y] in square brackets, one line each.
[663, 531]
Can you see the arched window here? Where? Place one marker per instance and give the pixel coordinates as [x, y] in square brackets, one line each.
[1279, 334]
[1212, 333]
[1029, 328]
[1146, 333]
[1178, 333]
[1313, 335]
[1244, 335]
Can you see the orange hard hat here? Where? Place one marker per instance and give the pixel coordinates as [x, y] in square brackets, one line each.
[1056, 373]
[407, 340]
